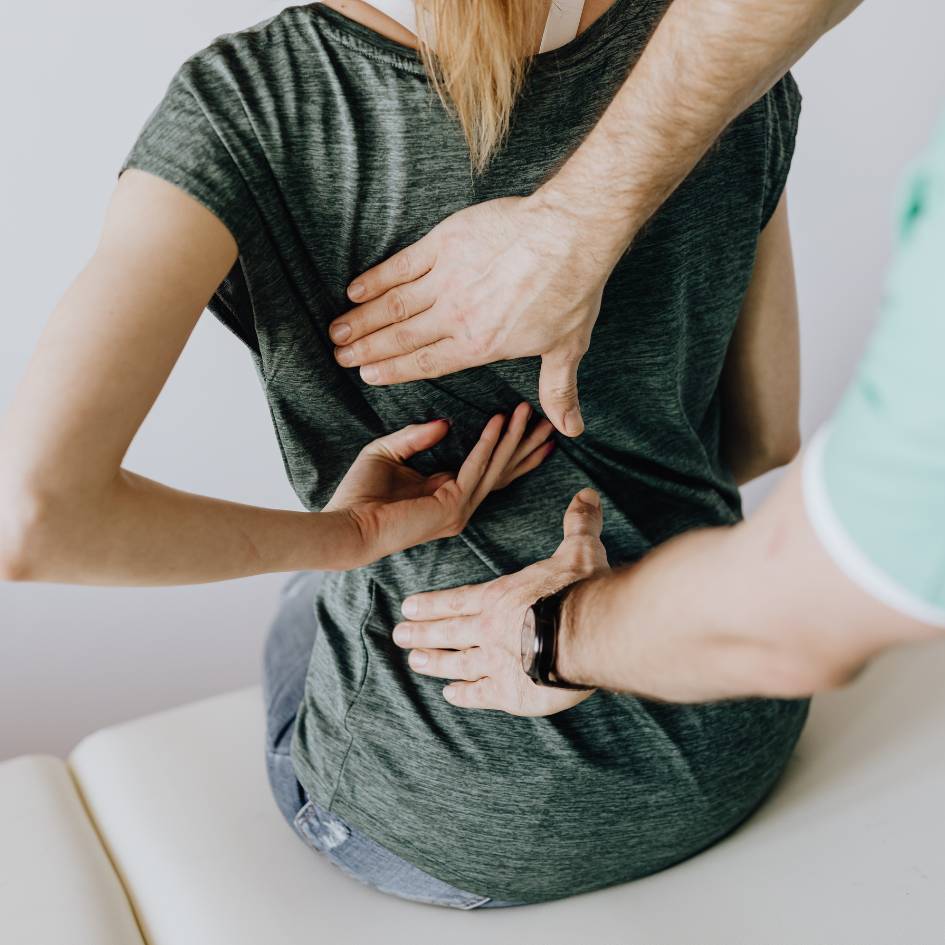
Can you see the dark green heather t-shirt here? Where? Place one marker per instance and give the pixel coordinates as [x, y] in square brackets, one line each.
[323, 148]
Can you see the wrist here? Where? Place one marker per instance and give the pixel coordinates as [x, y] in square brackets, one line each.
[580, 227]
[594, 190]
[569, 662]
[354, 539]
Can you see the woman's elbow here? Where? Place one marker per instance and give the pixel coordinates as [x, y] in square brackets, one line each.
[785, 447]
[776, 449]
[23, 513]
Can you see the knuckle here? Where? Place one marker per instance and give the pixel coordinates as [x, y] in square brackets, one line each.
[403, 338]
[426, 362]
[402, 264]
[565, 390]
[396, 305]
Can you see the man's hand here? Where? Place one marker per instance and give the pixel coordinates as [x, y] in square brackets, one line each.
[508, 278]
[473, 633]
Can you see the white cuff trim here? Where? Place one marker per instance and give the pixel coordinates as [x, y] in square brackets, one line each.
[844, 551]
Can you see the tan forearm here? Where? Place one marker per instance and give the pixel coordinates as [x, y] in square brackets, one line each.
[759, 609]
[707, 61]
[139, 532]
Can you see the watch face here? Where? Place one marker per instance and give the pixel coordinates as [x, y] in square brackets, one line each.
[529, 642]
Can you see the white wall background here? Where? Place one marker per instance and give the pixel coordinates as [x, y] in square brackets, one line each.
[77, 82]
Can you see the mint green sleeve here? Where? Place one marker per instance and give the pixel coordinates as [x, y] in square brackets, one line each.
[874, 476]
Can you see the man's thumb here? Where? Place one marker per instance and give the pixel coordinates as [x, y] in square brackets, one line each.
[558, 392]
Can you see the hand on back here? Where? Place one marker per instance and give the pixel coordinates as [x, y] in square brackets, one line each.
[507, 278]
[472, 634]
[395, 507]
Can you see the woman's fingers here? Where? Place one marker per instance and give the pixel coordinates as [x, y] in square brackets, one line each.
[530, 462]
[538, 436]
[436, 482]
[452, 633]
[406, 442]
[449, 664]
[477, 462]
[503, 453]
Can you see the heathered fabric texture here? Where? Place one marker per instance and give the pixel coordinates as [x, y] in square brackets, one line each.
[322, 146]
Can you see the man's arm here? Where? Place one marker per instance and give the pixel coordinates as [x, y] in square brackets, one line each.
[495, 270]
[707, 61]
[757, 609]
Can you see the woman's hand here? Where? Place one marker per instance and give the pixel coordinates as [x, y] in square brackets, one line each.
[473, 633]
[506, 278]
[395, 507]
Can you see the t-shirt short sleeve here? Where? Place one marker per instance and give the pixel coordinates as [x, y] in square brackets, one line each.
[180, 143]
[783, 112]
[875, 478]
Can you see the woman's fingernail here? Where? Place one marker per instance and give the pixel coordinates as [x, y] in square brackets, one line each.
[370, 374]
[448, 692]
[345, 356]
[401, 635]
[355, 290]
[339, 332]
[419, 658]
[409, 607]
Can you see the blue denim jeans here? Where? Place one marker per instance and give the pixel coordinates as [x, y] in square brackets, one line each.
[285, 662]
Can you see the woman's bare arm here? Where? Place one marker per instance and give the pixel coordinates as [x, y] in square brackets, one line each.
[70, 513]
[760, 383]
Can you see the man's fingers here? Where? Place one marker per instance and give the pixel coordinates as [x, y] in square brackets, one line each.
[584, 516]
[410, 440]
[448, 664]
[558, 391]
[433, 360]
[406, 266]
[396, 305]
[471, 695]
[452, 602]
[392, 341]
[451, 633]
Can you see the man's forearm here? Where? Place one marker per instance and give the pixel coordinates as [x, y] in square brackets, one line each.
[706, 62]
[759, 609]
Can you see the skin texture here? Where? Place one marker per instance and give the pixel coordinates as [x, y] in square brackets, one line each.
[478, 288]
[472, 634]
[69, 511]
[767, 613]
[463, 633]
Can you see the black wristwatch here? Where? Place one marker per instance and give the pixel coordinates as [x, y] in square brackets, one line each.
[540, 641]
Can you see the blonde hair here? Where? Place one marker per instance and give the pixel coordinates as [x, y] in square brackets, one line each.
[483, 48]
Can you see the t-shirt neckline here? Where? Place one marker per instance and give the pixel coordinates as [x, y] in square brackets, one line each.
[575, 54]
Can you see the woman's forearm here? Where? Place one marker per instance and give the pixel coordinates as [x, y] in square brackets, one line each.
[707, 61]
[136, 531]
